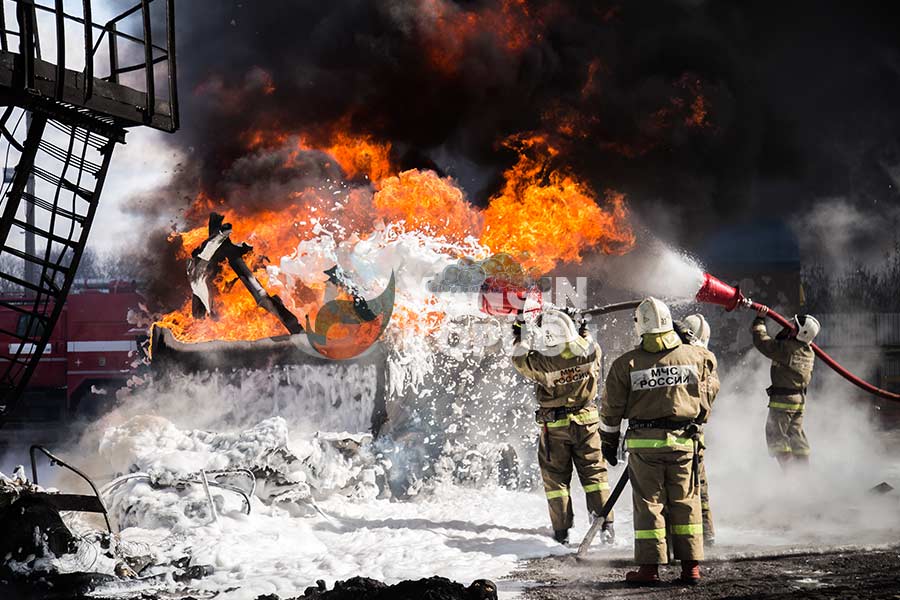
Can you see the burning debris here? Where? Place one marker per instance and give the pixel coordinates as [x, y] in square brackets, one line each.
[359, 321]
[205, 265]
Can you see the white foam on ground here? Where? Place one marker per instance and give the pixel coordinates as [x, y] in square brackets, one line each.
[441, 396]
[462, 534]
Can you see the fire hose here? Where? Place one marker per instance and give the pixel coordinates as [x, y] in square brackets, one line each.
[715, 291]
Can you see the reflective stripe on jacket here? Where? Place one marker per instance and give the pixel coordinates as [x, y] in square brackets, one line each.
[587, 415]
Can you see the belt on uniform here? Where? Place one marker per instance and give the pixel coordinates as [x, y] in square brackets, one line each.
[780, 391]
[658, 424]
[559, 413]
[692, 431]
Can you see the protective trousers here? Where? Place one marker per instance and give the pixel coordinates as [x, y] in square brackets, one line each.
[784, 433]
[663, 490]
[572, 443]
[709, 531]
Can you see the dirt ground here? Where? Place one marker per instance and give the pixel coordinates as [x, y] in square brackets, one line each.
[842, 573]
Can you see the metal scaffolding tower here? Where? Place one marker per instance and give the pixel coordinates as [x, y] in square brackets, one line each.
[77, 85]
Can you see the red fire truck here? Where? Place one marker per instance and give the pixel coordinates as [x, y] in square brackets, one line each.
[91, 352]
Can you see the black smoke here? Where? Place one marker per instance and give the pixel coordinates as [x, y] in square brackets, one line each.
[801, 96]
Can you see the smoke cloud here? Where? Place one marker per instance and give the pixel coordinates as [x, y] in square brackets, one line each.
[839, 235]
[831, 503]
[701, 113]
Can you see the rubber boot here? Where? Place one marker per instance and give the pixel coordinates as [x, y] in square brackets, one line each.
[645, 575]
[690, 572]
[561, 536]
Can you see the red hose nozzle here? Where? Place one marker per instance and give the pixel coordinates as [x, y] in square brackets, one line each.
[716, 291]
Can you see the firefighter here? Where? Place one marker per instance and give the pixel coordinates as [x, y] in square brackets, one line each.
[564, 364]
[664, 388]
[694, 329]
[792, 367]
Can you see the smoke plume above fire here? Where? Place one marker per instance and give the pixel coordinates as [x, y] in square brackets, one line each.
[533, 127]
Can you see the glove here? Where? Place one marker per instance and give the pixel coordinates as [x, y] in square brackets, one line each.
[582, 328]
[762, 312]
[610, 453]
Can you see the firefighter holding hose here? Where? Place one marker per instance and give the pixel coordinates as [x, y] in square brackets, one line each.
[695, 330]
[792, 366]
[564, 363]
[665, 389]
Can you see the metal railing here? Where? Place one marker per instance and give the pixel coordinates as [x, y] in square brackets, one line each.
[55, 460]
[27, 44]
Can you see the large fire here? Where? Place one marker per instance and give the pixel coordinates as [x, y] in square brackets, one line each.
[427, 202]
[542, 215]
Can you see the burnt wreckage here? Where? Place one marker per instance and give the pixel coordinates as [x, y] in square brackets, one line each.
[304, 344]
[72, 121]
[205, 265]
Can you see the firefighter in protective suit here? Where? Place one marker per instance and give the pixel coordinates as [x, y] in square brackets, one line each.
[792, 367]
[564, 364]
[695, 330]
[665, 389]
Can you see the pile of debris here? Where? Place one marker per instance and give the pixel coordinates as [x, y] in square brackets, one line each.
[43, 557]
[432, 588]
[198, 474]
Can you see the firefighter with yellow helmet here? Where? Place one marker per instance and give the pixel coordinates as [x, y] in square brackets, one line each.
[564, 364]
[665, 389]
[792, 366]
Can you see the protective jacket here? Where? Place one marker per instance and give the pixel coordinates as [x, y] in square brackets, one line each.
[792, 367]
[566, 379]
[677, 384]
[662, 388]
[566, 385]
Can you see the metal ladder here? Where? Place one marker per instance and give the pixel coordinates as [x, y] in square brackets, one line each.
[71, 163]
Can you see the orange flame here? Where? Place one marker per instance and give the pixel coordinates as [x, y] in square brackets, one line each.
[542, 215]
[238, 317]
[357, 155]
[423, 321]
[361, 155]
[545, 216]
[428, 203]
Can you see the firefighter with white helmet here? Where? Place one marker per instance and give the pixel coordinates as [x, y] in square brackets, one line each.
[564, 363]
[665, 389]
[696, 327]
[792, 366]
[695, 330]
